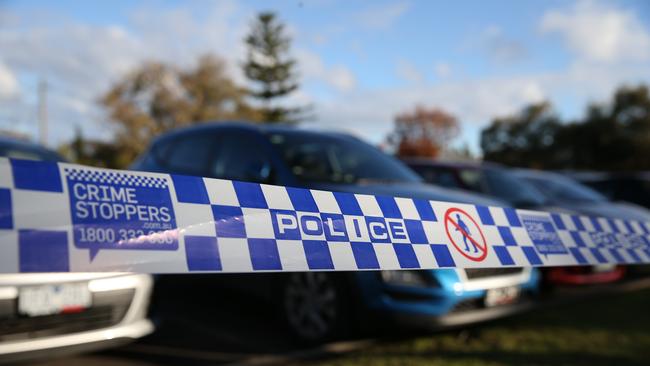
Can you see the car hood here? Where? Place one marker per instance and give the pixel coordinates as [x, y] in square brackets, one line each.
[553, 209]
[411, 190]
[613, 210]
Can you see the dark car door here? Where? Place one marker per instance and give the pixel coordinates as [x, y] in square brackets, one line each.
[233, 154]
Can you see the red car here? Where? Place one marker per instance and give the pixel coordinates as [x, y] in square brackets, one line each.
[583, 275]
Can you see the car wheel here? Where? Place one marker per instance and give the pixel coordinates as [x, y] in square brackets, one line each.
[313, 306]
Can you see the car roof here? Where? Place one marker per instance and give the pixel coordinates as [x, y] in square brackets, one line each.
[605, 175]
[452, 164]
[541, 174]
[14, 143]
[262, 128]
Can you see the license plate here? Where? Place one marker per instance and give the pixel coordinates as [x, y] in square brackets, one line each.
[501, 296]
[604, 268]
[54, 299]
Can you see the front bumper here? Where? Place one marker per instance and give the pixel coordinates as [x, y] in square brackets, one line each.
[455, 319]
[75, 343]
[454, 298]
[118, 314]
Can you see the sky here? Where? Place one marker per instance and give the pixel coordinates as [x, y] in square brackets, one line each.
[360, 62]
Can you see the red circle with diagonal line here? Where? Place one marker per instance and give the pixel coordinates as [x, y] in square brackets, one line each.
[481, 245]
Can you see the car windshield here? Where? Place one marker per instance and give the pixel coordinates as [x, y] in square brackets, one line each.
[330, 159]
[471, 178]
[506, 186]
[559, 188]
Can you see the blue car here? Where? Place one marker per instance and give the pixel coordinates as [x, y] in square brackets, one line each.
[318, 306]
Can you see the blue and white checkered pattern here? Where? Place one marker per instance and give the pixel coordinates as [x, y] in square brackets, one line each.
[594, 240]
[105, 176]
[243, 227]
[227, 226]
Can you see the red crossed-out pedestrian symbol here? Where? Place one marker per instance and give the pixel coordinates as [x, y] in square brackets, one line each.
[465, 234]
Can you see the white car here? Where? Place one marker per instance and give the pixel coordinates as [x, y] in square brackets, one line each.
[48, 313]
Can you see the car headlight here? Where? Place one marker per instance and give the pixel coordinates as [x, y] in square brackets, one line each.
[406, 278]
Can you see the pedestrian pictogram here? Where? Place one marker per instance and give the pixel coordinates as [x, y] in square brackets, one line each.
[465, 234]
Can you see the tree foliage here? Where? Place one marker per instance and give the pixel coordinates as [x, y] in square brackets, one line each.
[158, 97]
[611, 136]
[423, 132]
[527, 136]
[271, 69]
[92, 152]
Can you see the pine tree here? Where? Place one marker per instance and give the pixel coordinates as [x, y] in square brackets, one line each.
[270, 67]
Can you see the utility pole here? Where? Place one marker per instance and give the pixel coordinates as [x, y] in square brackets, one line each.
[42, 111]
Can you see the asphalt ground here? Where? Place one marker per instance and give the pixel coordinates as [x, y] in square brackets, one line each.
[221, 327]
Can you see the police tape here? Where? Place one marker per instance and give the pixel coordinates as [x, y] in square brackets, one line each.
[58, 217]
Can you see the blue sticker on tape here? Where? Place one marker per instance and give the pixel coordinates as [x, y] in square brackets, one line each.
[543, 235]
[112, 210]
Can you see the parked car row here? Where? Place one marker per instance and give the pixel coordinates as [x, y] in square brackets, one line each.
[624, 186]
[537, 190]
[315, 304]
[321, 306]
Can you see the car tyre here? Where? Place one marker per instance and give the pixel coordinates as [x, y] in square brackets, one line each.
[314, 306]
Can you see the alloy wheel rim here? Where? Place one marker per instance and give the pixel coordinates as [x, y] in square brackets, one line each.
[310, 304]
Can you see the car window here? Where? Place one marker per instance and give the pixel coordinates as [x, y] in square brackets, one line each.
[608, 188]
[191, 154]
[447, 179]
[332, 159]
[162, 149]
[559, 188]
[518, 192]
[242, 155]
[472, 179]
[440, 176]
[426, 172]
[29, 154]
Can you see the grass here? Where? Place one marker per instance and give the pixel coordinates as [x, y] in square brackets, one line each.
[609, 331]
